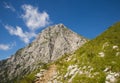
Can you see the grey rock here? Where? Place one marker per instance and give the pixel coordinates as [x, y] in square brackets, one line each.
[50, 44]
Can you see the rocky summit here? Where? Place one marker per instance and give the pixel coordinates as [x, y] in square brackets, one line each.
[50, 44]
[97, 61]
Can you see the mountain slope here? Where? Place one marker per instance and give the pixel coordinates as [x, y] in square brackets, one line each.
[51, 43]
[97, 61]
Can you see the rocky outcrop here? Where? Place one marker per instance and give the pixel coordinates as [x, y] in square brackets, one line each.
[51, 43]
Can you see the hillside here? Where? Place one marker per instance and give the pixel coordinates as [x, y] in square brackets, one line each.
[97, 61]
[50, 44]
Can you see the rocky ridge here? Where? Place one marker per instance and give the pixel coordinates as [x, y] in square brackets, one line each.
[97, 61]
[51, 44]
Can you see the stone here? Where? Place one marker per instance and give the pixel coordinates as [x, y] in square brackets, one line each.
[107, 69]
[49, 45]
[73, 71]
[115, 47]
[101, 54]
[112, 77]
[39, 75]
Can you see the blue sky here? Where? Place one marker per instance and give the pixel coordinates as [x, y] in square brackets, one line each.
[22, 20]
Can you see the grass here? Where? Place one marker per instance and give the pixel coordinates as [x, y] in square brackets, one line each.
[88, 55]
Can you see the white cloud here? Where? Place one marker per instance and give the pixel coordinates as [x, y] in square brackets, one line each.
[7, 46]
[24, 36]
[4, 47]
[9, 6]
[33, 18]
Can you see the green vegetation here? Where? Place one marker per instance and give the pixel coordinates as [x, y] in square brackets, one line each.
[89, 56]
[29, 78]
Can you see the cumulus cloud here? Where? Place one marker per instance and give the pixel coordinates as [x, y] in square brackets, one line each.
[9, 6]
[33, 18]
[24, 36]
[4, 47]
[7, 46]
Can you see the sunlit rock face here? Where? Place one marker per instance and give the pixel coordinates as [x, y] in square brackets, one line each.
[50, 44]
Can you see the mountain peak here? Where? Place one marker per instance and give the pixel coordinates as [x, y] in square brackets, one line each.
[57, 26]
[60, 25]
[59, 37]
[95, 62]
[51, 44]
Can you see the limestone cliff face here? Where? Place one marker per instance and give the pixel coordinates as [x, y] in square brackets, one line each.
[51, 43]
[54, 42]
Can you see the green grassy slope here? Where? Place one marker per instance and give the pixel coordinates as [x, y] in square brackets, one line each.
[94, 61]
[100, 53]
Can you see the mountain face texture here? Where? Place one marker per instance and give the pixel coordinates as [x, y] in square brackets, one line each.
[97, 61]
[51, 44]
